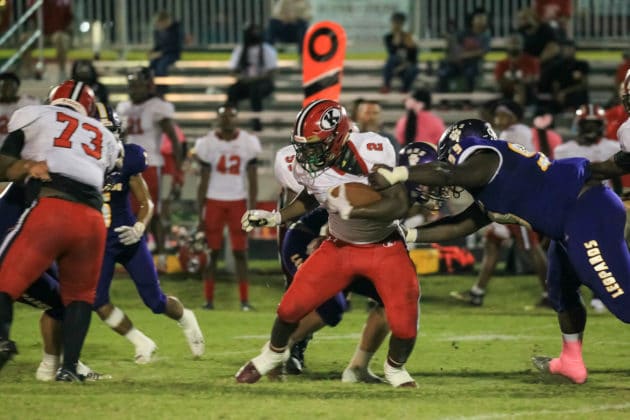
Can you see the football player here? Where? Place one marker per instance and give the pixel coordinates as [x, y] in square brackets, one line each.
[300, 241]
[327, 155]
[145, 117]
[227, 187]
[126, 245]
[63, 146]
[591, 144]
[562, 199]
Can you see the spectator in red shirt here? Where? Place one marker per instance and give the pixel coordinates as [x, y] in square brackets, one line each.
[623, 68]
[615, 115]
[518, 73]
[419, 123]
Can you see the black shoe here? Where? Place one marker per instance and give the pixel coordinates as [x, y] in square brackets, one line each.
[7, 350]
[295, 364]
[66, 375]
[246, 307]
[544, 302]
[208, 306]
[475, 299]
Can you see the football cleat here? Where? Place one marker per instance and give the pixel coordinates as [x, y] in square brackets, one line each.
[144, 353]
[89, 374]
[46, 372]
[575, 371]
[295, 365]
[193, 333]
[7, 350]
[260, 365]
[398, 377]
[246, 307]
[468, 296]
[209, 306]
[598, 306]
[66, 375]
[356, 374]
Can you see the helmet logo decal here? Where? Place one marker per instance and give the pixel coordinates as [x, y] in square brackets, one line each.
[330, 118]
[455, 134]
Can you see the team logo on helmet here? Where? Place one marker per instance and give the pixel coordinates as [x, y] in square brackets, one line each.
[330, 118]
[455, 134]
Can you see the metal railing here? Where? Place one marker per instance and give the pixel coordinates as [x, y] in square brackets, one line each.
[19, 27]
[218, 23]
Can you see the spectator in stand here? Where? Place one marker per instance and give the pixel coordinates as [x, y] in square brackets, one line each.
[402, 55]
[544, 138]
[518, 73]
[6, 13]
[289, 22]
[569, 80]
[84, 71]
[419, 123]
[369, 119]
[540, 40]
[252, 63]
[168, 40]
[467, 58]
[557, 13]
[58, 18]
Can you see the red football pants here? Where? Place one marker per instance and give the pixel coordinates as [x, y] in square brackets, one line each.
[73, 234]
[333, 267]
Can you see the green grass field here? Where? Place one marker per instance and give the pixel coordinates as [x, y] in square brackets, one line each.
[470, 363]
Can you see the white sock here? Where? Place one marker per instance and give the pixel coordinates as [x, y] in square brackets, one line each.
[136, 337]
[477, 290]
[267, 360]
[361, 358]
[50, 359]
[572, 337]
[185, 319]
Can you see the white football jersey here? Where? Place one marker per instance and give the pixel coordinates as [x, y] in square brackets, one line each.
[598, 152]
[7, 109]
[623, 134]
[283, 169]
[368, 149]
[141, 122]
[228, 159]
[519, 134]
[72, 144]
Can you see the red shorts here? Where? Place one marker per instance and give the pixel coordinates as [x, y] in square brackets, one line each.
[170, 168]
[525, 238]
[335, 264]
[70, 233]
[217, 214]
[152, 176]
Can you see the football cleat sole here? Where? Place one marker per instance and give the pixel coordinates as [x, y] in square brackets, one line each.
[248, 374]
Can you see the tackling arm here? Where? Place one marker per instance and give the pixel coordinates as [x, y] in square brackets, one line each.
[451, 227]
[474, 172]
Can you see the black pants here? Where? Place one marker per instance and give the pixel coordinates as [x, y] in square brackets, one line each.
[255, 91]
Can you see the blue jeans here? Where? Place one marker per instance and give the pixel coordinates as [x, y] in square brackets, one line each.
[407, 74]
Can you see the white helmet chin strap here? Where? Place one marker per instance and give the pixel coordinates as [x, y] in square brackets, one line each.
[71, 104]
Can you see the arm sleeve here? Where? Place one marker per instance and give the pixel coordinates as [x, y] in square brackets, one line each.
[135, 159]
[23, 117]
[13, 144]
[163, 110]
[202, 150]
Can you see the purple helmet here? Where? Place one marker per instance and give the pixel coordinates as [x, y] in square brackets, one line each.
[420, 153]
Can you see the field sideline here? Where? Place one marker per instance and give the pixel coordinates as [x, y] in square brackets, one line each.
[470, 363]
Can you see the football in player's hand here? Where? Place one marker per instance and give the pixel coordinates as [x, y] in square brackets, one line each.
[358, 194]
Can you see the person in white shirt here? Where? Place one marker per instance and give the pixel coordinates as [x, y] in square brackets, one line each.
[253, 63]
[227, 188]
[70, 151]
[10, 100]
[145, 117]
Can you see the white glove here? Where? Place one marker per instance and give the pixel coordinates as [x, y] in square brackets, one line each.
[259, 218]
[409, 234]
[339, 204]
[395, 175]
[129, 235]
